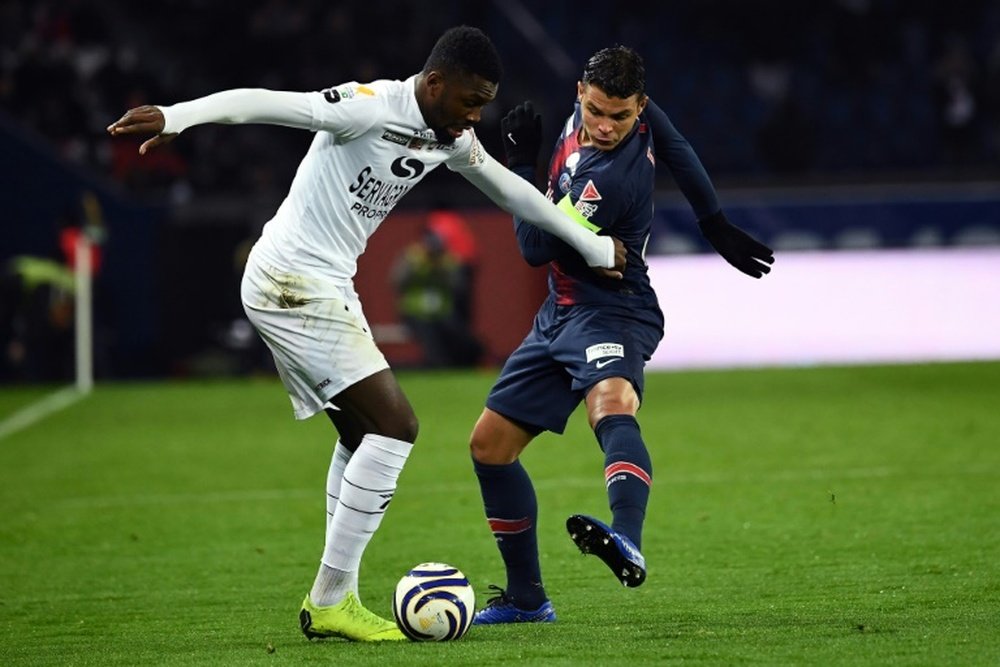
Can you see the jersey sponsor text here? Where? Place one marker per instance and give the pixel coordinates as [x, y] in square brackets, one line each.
[601, 350]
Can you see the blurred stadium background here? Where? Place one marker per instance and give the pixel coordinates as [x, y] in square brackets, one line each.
[861, 138]
[830, 515]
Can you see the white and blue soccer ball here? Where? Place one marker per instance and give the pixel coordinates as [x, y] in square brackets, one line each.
[434, 602]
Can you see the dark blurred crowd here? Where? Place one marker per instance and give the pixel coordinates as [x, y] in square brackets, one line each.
[763, 88]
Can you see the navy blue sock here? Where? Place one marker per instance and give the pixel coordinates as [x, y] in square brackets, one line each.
[628, 473]
[512, 511]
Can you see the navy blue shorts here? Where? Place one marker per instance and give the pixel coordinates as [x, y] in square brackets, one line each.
[568, 351]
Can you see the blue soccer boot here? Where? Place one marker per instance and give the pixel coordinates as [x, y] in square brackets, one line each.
[501, 609]
[616, 550]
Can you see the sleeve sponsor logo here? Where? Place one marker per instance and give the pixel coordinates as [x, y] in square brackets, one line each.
[602, 350]
[476, 155]
[334, 95]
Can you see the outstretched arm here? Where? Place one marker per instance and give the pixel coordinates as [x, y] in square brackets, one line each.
[518, 197]
[736, 246]
[521, 131]
[144, 120]
[673, 150]
[306, 111]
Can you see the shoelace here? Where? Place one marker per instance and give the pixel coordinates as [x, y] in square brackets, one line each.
[361, 613]
[499, 598]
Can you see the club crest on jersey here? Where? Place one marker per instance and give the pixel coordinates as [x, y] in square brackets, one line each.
[565, 182]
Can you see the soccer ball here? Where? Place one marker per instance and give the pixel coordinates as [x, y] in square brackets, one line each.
[434, 602]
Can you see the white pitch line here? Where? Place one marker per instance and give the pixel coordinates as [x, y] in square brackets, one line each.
[39, 410]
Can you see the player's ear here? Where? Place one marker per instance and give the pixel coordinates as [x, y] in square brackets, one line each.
[643, 99]
[434, 80]
[579, 90]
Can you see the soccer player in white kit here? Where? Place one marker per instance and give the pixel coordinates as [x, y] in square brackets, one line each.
[374, 141]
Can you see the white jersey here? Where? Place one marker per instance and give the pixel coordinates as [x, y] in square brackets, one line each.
[372, 147]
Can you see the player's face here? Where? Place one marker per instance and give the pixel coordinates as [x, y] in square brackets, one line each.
[456, 103]
[606, 120]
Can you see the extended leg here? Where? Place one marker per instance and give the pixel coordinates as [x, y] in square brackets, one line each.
[376, 408]
[512, 513]
[611, 407]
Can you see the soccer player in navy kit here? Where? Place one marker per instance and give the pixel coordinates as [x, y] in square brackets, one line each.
[593, 335]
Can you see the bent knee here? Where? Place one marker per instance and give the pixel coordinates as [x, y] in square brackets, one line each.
[409, 428]
[614, 396]
[497, 441]
[399, 426]
[489, 452]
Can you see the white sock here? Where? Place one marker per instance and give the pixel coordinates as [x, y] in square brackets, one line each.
[369, 482]
[331, 586]
[341, 455]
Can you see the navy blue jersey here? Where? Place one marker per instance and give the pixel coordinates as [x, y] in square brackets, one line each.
[623, 181]
[589, 328]
[613, 192]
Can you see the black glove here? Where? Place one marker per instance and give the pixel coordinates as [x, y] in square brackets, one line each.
[521, 130]
[736, 246]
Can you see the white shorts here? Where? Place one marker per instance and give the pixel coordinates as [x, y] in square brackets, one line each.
[321, 345]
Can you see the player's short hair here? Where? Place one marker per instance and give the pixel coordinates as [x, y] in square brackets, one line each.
[465, 50]
[618, 71]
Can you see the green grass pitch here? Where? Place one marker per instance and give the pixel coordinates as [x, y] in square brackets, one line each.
[827, 516]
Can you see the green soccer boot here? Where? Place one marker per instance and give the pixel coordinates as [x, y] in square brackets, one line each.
[348, 619]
